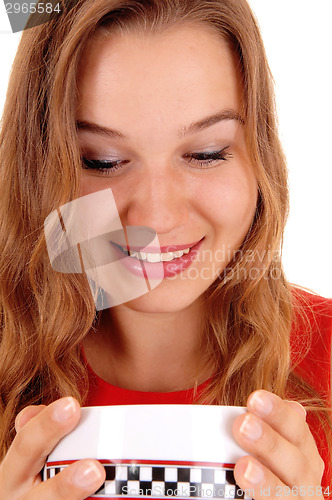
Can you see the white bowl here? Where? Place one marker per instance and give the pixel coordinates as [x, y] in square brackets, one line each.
[156, 451]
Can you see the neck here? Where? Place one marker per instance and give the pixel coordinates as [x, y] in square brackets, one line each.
[159, 352]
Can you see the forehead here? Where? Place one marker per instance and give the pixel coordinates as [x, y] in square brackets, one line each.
[187, 71]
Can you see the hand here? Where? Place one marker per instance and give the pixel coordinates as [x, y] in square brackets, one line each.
[39, 429]
[283, 451]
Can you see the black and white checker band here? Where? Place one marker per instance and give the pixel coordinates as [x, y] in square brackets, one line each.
[160, 481]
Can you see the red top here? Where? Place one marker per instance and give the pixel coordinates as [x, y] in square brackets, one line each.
[311, 351]
[313, 357]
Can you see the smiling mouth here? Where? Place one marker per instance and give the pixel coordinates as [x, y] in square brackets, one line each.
[156, 257]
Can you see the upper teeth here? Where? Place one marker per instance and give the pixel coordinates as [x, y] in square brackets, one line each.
[158, 257]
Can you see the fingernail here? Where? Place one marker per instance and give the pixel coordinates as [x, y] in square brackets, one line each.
[64, 409]
[87, 474]
[250, 428]
[261, 403]
[254, 473]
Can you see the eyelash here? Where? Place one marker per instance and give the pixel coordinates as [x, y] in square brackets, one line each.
[206, 158]
[203, 160]
[100, 166]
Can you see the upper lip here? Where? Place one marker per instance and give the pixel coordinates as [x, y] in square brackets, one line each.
[161, 249]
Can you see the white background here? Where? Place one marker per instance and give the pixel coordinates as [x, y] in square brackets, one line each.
[298, 41]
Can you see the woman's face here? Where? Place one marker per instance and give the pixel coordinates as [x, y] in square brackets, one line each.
[168, 111]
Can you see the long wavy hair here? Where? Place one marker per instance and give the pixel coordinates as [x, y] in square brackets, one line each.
[45, 315]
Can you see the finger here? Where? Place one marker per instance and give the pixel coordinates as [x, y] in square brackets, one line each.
[298, 407]
[36, 440]
[257, 481]
[75, 482]
[27, 414]
[285, 417]
[282, 457]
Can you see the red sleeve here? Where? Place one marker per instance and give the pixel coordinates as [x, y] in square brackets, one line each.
[311, 347]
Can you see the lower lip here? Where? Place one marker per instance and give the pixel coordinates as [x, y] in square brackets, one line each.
[152, 270]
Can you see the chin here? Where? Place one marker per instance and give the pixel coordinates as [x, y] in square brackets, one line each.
[162, 301]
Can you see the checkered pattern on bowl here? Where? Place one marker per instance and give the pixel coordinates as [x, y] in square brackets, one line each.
[144, 479]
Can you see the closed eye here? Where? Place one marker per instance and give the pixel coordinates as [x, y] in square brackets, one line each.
[202, 160]
[207, 158]
[101, 166]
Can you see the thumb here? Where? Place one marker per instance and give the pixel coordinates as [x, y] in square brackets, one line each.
[298, 407]
[26, 415]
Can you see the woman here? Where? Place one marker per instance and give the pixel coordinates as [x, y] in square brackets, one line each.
[169, 103]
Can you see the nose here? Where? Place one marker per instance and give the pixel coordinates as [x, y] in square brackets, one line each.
[159, 200]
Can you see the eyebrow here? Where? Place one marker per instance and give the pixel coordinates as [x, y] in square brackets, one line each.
[193, 128]
[97, 129]
[228, 114]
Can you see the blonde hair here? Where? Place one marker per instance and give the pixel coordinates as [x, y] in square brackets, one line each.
[44, 314]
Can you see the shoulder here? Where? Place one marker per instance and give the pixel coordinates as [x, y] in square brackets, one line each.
[312, 303]
[311, 337]
[311, 312]
[312, 316]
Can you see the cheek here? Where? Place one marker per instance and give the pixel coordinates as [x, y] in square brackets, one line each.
[90, 184]
[97, 209]
[229, 202]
